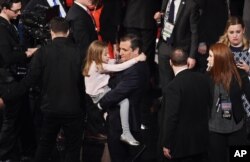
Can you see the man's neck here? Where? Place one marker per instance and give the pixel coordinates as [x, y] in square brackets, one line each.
[178, 69]
[5, 17]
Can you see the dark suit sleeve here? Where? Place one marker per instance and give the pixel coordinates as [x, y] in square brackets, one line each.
[194, 20]
[123, 89]
[171, 114]
[18, 89]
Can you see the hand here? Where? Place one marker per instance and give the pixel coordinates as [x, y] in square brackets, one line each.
[30, 51]
[243, 65]
[141, 57]
[1, 103]
[202, 49]
[157, 16]
[166, 153]
[191, 62]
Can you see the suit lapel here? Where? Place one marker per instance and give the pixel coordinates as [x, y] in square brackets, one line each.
[181, 7]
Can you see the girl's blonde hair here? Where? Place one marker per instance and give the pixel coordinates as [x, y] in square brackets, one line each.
[94, 53]
[233, 20]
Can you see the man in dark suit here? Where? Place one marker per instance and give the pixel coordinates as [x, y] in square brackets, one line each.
[83, 29]
[180, 23]
[17, 114]
[211, 27]
[186, 104]
[131, 84]
[58, 65]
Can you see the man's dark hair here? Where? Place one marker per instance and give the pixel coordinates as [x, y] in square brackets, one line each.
[179, 57]
[59, 24]
[7, 3]
[134, 40]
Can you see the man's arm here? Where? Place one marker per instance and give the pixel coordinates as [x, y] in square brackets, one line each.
[194, 20]
[16, 89]
[129, 82]
[171, 114]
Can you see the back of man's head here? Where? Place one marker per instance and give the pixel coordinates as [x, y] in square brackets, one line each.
[7, 3]
[59, 25]
[178, 57]
[134, 40]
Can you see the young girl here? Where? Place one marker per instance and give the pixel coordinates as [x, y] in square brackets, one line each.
[96, 72]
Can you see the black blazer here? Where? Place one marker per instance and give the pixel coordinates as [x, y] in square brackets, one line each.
[236, 93]
[82, 30]
[132, 84]
[140, 13]
[214, 15]
[110, 20]
[185, 32]
[10, 53]
[185, 123]
[58, 66]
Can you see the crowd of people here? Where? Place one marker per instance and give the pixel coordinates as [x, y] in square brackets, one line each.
[97, 76]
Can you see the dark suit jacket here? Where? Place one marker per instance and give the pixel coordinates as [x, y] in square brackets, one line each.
[214, 15]
[185, 33]
[236, 93]
[10, 53]
[82, 27]
[186, 105]
[132, 83]
[110, 20]
[140, 13]
[58, 65]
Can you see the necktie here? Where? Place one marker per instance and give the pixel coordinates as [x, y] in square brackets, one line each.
[171, 12]
[54, 1]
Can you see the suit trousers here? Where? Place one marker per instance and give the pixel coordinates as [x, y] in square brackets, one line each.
[73, 131]
[165, 70]
[17, 136]
[219, 144]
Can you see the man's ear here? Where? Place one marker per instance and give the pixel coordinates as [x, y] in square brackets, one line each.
[52, 34]
[170, 62]
[136, 51]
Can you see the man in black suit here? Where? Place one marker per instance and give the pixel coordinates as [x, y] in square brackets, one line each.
[83, 29]
[131, 84]
[211, 27]
[180, 23]
[58, 65]
[186, 104]
[17, 114]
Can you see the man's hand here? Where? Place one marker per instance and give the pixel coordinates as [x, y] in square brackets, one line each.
[202, 49]
[191, 62]
[141, 57]
[166, 153]
[30, 51]
[157, 16]
[1, 103]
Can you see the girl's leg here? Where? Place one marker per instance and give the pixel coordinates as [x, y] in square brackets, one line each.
[124, 114]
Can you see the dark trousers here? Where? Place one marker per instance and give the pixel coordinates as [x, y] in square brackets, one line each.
[165, 70]
[73, 131]
[17, 135]
[119, 151]
[219, 144]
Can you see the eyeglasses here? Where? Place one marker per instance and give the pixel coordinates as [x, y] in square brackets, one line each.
[16, 11]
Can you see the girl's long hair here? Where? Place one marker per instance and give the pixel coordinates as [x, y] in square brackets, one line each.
[224, 68]
[94, 53]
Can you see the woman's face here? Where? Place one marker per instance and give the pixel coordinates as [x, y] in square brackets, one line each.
[210, 60]
[105, 57]
[235, 34]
